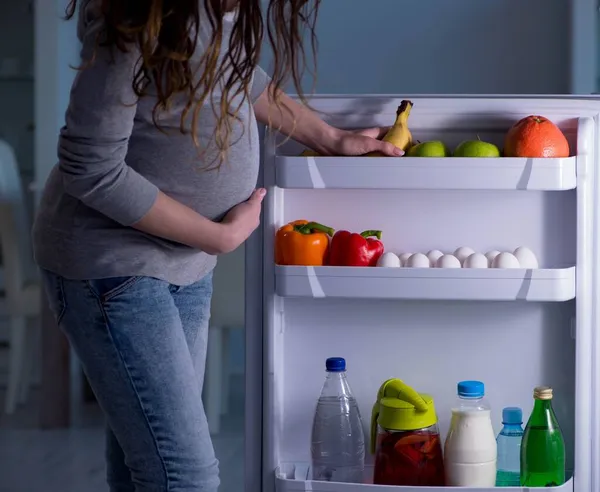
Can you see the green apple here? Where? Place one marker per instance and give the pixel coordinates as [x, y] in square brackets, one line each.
[434, 148]
[476, 148]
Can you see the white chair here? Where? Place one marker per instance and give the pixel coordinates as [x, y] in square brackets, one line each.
[22, 290]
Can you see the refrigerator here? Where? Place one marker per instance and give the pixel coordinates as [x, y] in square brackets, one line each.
[513, 329]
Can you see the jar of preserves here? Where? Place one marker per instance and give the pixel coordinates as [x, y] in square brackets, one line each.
[405, 438]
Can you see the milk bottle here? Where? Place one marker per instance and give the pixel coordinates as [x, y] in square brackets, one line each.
[470, 448]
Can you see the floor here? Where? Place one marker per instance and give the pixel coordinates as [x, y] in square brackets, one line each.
[72, 460]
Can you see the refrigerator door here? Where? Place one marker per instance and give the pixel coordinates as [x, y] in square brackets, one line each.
[512, 329]
[254, 434]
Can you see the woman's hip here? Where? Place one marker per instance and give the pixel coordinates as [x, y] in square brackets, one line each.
[136, 300]
[141, 343]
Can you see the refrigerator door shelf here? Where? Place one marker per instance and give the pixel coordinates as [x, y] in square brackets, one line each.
[418, 173]
[466, 284]
[293, 478]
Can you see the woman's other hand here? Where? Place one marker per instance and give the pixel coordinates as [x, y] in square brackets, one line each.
[242, 220]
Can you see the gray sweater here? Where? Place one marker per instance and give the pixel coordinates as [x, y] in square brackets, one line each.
[112, 161]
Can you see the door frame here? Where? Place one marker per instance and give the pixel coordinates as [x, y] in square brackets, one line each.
[56, 49]
[584, 47]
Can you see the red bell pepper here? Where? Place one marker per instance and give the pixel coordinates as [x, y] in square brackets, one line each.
[352, 249]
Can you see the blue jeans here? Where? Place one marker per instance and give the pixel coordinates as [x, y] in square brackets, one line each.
[142, 344]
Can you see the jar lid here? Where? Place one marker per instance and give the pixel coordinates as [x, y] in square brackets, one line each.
[400, 408]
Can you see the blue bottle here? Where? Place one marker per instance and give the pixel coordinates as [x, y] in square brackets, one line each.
[509, 448]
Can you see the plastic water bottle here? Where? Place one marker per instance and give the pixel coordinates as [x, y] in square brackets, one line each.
[509, 448]
[338, 442]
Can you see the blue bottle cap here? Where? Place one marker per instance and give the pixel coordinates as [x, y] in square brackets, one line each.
[335, 364]
[471, 389]
[512, 415]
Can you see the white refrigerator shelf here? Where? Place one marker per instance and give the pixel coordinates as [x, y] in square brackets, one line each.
[294, 478]
[447, 173]
[549, 285]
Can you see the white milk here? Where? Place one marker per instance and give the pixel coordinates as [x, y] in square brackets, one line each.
[470, 449]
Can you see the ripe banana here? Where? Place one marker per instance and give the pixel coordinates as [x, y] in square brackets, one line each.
[399, 135]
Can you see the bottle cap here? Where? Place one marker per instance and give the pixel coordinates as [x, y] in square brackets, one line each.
[335, 364]
[471, 389]
[542, 393]
[512, 415]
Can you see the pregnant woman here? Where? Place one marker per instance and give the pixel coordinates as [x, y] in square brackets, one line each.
[156, 175]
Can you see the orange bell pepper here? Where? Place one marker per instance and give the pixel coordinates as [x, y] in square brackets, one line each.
[302, 243]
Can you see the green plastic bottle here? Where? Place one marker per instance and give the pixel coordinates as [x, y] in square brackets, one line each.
[543, 446]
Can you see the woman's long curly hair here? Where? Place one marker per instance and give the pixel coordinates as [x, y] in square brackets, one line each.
[164, 32]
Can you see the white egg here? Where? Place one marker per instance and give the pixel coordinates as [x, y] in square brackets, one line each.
[476, 260]
[506, 260]
[404, 258]
[463, 253]
[388, 260]
[448, 261]
[418, 260]
[526, 257]
[490, 255]
[434, 256]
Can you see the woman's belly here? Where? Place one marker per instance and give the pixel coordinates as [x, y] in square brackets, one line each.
[175, 165]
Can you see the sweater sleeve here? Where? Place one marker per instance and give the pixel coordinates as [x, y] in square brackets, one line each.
[259, 83]
[93, 143]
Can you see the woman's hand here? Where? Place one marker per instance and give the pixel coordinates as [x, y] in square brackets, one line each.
[242, 220]
[172, 220]
[308, 128]
[361, 142]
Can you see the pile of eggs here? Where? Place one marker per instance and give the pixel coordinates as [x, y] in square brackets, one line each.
[463, 257]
